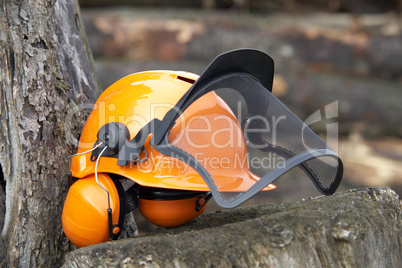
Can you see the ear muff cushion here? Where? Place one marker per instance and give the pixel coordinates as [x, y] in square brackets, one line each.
[122, 200]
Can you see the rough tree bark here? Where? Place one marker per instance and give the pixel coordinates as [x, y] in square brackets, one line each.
[46, 72]
[358, 228]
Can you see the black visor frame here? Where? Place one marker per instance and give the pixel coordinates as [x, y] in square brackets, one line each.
[260, 67]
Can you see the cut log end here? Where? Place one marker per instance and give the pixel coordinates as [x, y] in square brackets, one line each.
[360, 227]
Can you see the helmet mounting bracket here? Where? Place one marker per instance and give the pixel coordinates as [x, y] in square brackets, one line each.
[116, 137]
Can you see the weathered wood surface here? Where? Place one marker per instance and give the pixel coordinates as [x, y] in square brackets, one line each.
[45, 74]
[358, 228]
[348, 43]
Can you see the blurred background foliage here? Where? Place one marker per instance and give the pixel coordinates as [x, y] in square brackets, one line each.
[324, 51]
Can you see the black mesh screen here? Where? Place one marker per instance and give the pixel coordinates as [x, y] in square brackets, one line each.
[239, 132]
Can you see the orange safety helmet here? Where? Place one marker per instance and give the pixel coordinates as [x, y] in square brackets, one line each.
[182, 139]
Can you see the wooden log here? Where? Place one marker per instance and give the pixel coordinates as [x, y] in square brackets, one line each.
[358, 228]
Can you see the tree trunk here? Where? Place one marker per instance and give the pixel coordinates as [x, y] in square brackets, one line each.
[358, 228]
[46, 72]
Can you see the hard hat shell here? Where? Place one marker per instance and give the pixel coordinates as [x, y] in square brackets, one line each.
[135, 100]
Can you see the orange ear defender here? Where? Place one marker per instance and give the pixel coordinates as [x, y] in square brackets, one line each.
[182, 139]
[86, 219]
[171, 208]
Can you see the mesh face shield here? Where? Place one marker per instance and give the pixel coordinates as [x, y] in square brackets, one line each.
[233, 132]
[238, 136]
